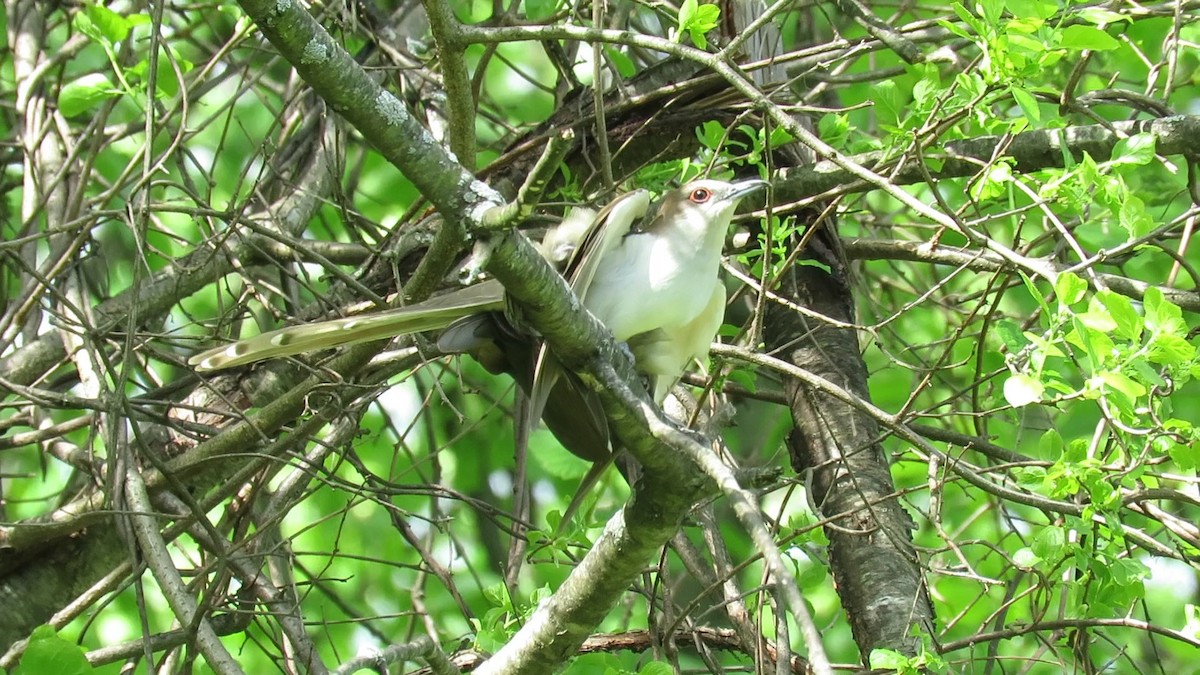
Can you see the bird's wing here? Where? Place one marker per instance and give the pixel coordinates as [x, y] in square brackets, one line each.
[611, 224]
[609, 227]
[429, 315]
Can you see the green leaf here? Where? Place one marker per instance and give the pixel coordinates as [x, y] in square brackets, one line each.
[540, 10]
[1070, 288]
[1122, 390]
[991, 9]
[1029, 476]
[1050, 445]
[888, 106]
[888, 659]
[1129, 323]
[1035, 294]
[49, 653]
[834, 129]
[1018, 29]
[686, 11]
[1040, 9]
[1170, 350]
[743, 378]
[994, 182]
[1020, 390]
[656, 668]
[1100, 16]
[84, 93]
[711, 135]
[1133, 218]
[705, 20]
[1026, 559]
[980, 28]
[1137, 150]
[779, 136]
[1128, 572]
[1082, 37]
[111, 25]
[1027, 103]
[625, 65]
[166, 84]
[1163, 316]
[1050, 543]
[1095, 319]
[1011, 335]
[696, 20]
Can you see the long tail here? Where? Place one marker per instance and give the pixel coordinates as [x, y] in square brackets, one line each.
[432, 314]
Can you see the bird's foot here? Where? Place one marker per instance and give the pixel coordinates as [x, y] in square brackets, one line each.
[625, 349]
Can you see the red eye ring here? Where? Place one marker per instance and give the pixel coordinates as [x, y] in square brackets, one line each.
[700, 195]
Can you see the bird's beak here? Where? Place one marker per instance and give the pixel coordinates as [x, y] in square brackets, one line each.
[745, 187]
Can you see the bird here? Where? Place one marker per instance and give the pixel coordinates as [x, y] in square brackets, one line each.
[648, 271]
[650, 274]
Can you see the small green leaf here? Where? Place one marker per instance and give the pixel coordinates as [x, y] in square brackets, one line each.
[166, 84]
[1017, 29]
[1170, 350]
[1163, 316]
[625, 66]
[1137, 149]
[1027, 103]
[971, 20]
[1026, 559]
[1029, 476]
[1020, 390]
[992, 10]
[1147, 375]
[656, 668]
[779, 136]
[1133, 217]
[743, 378]
[1035, 294]
[1050, 543]
[994, 182]
[497, 595]
[1069, 288]
[696, 20]
[540, 10]
[889, 103]
[1100, 16]
[111, 25]
[888, 659]
[1095, 319]
[686, 11]
[834, 129]
[84, 93]
[1082, 37]
[1011, 335]
[1129, 322]
[699, 20]
[1040, 9]
[49, 653]
[1114, 381]
[711, 135]
[1127, 572]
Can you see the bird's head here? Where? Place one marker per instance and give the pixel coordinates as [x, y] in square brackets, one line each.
[703, 206]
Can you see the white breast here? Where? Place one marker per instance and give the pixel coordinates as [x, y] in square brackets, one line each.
[631, 296]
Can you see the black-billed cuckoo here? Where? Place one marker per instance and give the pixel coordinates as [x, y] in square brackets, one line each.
[647, 272]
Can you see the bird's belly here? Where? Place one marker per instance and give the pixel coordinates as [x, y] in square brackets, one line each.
[637, 298]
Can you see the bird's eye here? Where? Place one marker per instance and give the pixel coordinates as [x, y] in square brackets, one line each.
[700, 195]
